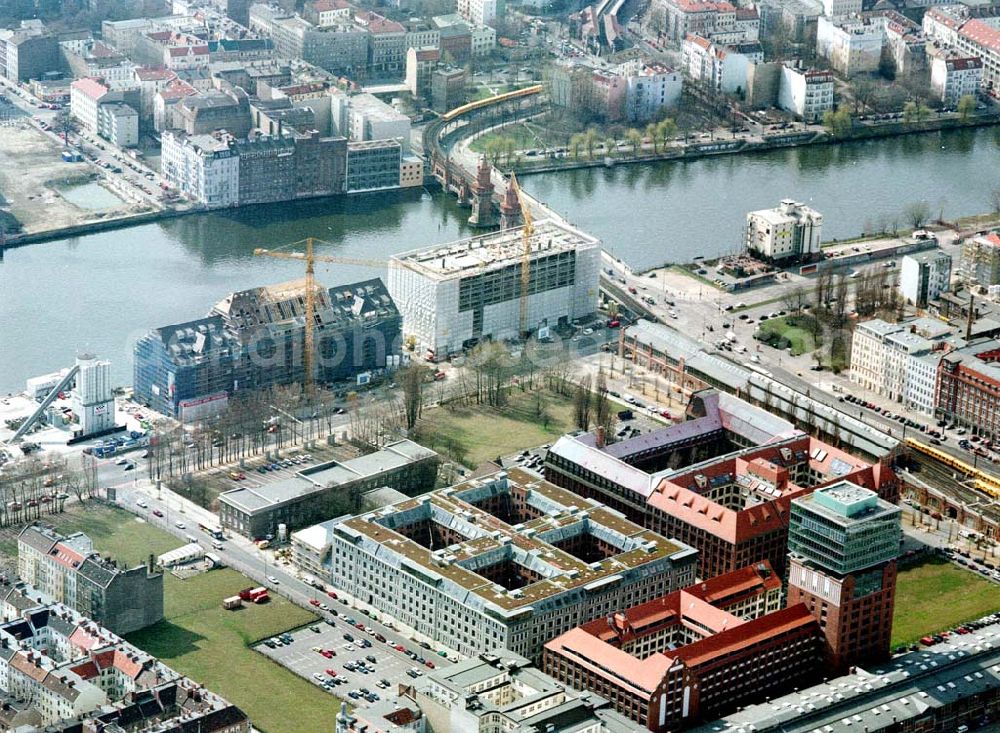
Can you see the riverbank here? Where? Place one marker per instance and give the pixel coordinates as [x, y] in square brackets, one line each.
[787, 139]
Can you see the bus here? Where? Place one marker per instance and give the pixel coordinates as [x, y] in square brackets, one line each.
[212, 531]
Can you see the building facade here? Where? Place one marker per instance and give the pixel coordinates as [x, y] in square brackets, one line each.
[502, 561]
[650, 90]
[923, 276]
[790, 231]
[373, 165]
[806, 93]
[202, 166]
[980, 260]
[968, 388]
[70, 571]
[843, 541]
[955, 77]
[458, 294]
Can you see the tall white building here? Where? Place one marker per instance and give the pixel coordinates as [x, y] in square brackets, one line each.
[202, 166]
[841, 8]
[953, 78]
[84, 98]
[92, 398]
[868, 353]
[790, 230]
[649, 90]
[923, 276]
[455, 295]
[363, 117]
[851, 45]
[806, 93]
[480, 12]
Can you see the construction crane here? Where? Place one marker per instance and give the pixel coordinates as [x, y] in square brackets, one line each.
[310, 258]
[526, 231]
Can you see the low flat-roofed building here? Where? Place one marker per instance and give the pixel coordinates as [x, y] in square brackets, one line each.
[693, 653]
[506, 560]
[310, 495]
[503, 689]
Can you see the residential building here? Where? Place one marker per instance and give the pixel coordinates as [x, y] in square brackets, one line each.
[836, 9]
[721, 481]
[790, 231]
[956, 690]
[61, 671]
[942, 23]
[84, 98]
[851, 46]
[650, 90]
[921, 382]
[503, 690]
[923, 276]
[455, 295]
[843, 541]
[968, 387]
[166, 104]
[250, 342]
[980, 260]
[373, 165]
[978, 37]
[324, 13]
[95, 59]
[719, 67]
[420, 34]
[868, 353]
[420, 65]
[340, 49]
[150, 81]
[70, 571]
[217, 109]
[480, 12]
[719, 22]
[201, 166]
[807, 93]
[386, 43]
[482, 40]
[504, 561]
[448, 88]
[694, 654]
[118, 123]
[955, 77]
[28, 52]
[901, 348]
[411, 172]
[315, 494]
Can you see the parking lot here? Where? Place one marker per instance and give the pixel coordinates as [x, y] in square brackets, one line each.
[363, 665]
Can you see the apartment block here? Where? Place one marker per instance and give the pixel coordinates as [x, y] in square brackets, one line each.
[955, 77]
[923, 276]
[70, 571]
[980, 260]
[808, 93]
[968, 387]
[502, 561]
[978, 37]
[852, 45]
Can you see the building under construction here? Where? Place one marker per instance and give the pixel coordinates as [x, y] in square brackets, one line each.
[455, 295]
[254, 339]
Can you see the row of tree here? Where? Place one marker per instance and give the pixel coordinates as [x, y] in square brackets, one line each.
[658, 134]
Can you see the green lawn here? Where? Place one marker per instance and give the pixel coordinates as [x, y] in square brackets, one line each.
[472, 435]
[789, 328]
[523, 138]
[937, 595]
[202, 640]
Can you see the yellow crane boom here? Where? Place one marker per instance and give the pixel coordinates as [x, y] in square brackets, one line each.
[310, 258]
[526, 231]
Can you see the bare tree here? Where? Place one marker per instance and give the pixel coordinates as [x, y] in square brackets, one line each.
[412, 379]
[795, 299]
[582, 403]
[917, 213]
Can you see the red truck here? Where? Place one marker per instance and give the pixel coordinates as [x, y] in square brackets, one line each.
[255, 595]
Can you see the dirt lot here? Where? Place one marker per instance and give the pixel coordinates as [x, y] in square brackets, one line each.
[31, 169]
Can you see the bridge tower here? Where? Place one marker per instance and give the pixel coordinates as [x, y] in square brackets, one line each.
[483, 211]
[510, 209]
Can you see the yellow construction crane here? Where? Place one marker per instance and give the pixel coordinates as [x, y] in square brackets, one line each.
[310, 258]
[526, 231]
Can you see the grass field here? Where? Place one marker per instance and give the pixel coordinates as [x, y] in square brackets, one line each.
[200, 639]
[523, 137]
[802, 341]
[472, 435]
[937, 595]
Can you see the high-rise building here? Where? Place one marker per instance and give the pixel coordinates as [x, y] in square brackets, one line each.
[842, 542]
[92, 398]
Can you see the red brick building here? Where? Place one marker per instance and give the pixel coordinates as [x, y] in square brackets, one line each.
[968, 387]
[694, 654]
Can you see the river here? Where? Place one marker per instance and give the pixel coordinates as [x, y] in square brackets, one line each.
[100, 292]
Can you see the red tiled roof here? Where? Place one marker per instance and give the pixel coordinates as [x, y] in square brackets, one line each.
[93, 88]
[154, 73]
[983, 34]
[964, 64]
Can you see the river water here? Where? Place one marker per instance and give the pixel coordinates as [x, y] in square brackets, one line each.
[100, 292]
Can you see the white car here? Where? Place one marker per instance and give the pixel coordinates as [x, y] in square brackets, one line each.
[121, 461]
[271, 579]
[179, 524]
[141, 503]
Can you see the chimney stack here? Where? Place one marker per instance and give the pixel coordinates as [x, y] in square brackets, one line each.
[600, 436]
[972, 310]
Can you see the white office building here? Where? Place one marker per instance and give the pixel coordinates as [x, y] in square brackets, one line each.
[923, 276]
[92, 398]
[455, 295]
[202, 166]
[791, 230]
[807, 93]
